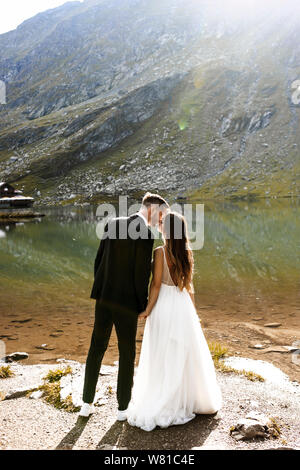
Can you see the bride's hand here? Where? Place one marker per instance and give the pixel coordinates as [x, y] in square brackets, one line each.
[144, 314]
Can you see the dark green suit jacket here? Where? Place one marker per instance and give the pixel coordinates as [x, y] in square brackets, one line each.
[123, 265]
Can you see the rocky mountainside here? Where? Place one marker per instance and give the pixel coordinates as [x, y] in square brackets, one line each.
[192, 97]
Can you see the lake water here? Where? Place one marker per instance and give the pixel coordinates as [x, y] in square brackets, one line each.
[247, 273]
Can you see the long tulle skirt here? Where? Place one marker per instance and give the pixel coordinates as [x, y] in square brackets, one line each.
[176, 378]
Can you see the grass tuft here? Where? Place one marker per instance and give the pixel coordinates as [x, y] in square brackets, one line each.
[274, 428]
[51, 394]
[218, 352]
[51, 390]
[252, 376]
[57, 374]
[5, 372]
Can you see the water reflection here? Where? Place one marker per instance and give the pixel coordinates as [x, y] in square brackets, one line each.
[246, 275]
[245, 244]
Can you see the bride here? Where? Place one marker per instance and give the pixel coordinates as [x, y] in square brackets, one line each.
[176, 378]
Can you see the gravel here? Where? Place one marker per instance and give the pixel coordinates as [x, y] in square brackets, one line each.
[27, 423]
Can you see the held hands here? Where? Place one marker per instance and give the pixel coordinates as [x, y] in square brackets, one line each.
[144, 314]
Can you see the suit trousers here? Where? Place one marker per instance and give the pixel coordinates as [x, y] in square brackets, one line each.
[125, 324]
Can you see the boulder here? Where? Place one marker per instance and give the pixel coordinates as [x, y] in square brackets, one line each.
[252, 426]
[16, 356]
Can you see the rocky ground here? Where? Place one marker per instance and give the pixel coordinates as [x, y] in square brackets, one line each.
[31, 423]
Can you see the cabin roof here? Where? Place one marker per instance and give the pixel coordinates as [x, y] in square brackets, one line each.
[18, 198]
[3, 183]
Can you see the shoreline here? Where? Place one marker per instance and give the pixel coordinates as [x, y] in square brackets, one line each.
[69, 337]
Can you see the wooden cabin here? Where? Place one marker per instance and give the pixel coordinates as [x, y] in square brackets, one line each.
[8, 190]
[11, 197]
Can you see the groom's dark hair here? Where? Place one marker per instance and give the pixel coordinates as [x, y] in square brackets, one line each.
[151, 198]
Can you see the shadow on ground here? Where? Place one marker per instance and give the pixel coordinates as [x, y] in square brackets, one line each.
[193, 434]
[68, 442]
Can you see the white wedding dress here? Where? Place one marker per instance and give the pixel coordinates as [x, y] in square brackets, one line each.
[176, 377]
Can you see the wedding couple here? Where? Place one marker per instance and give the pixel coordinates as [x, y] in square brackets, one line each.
[175, 379]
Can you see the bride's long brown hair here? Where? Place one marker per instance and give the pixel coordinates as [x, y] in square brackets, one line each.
[178, 249]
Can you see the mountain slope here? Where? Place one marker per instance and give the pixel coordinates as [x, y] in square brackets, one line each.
[187, 97]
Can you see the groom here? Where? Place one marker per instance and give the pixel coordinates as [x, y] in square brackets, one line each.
[122, 270]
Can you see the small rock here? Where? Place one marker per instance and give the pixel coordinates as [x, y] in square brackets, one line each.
[263, 419]
[24, 320]
[16, 356]
[248, 429]
[37, 394]
[45, 347]
[272, 325]
[9, 337]
[292, 348]
[101, 401]
[71, 385]
[279, 349]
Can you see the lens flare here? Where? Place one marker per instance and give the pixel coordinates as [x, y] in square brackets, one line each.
[182, 123]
